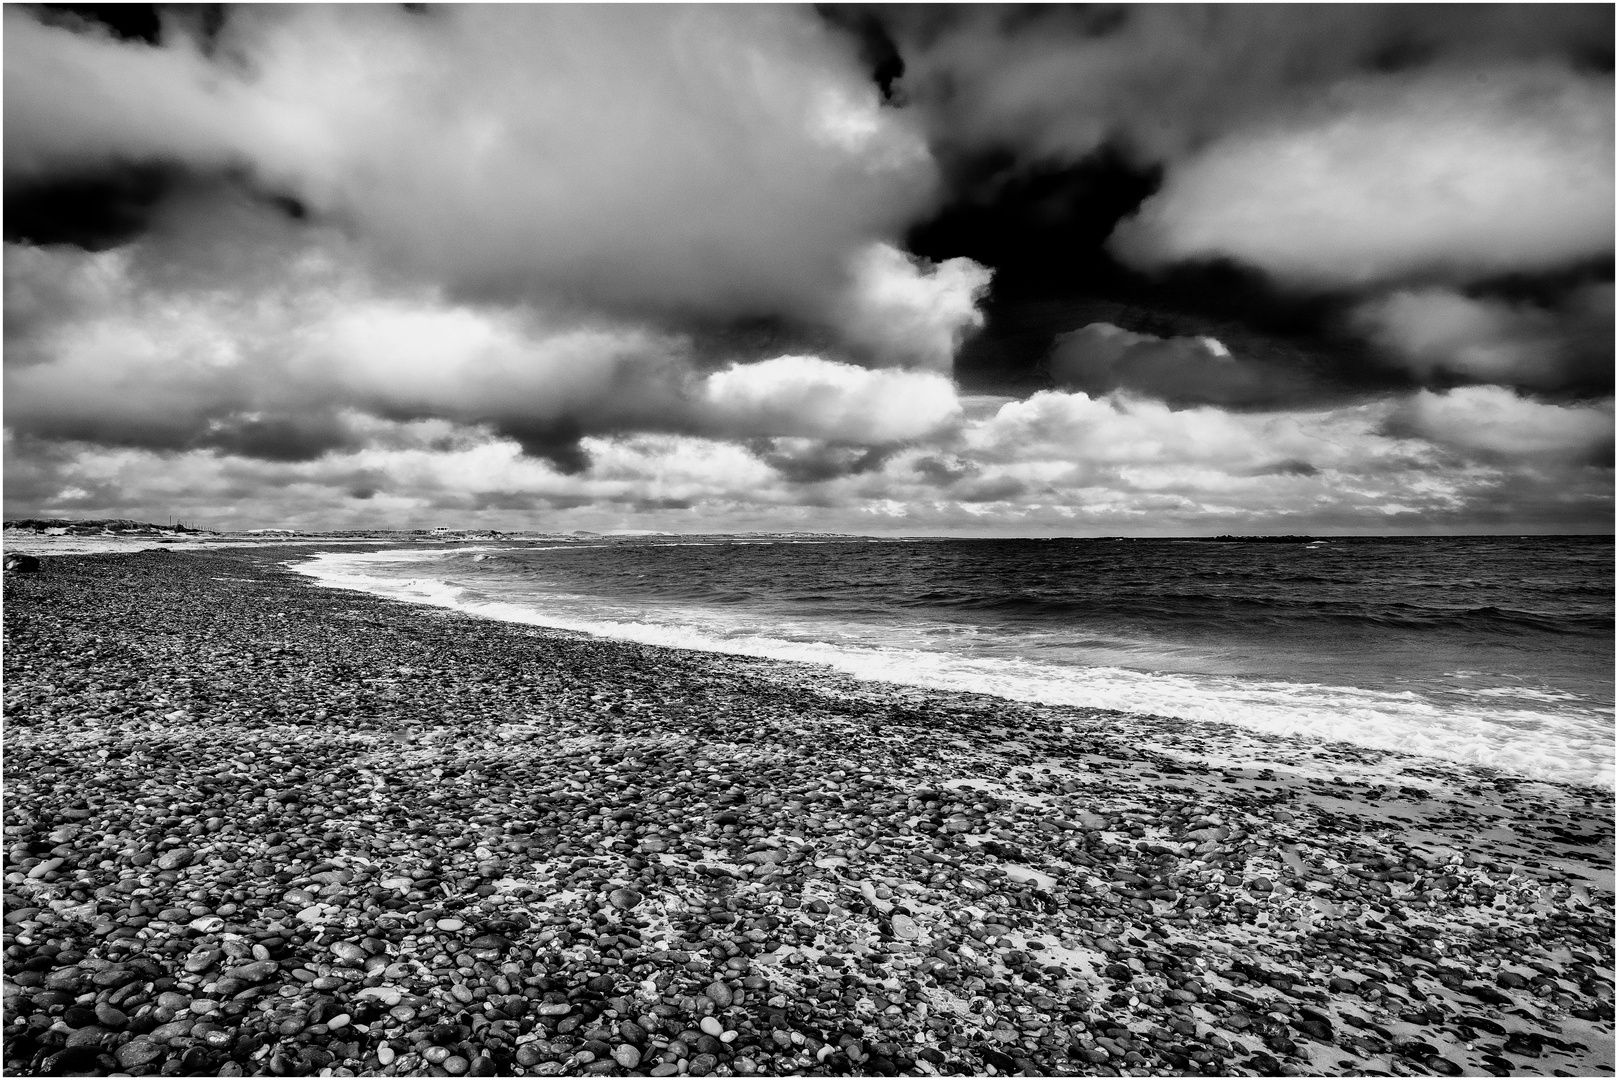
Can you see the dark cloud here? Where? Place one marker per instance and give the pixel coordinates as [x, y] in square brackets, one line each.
[556, 442]
[644, 505]
[943, 471]
[303, 437]
[809, 462]
[995, 489]
[1100, 358]
[1291, 467]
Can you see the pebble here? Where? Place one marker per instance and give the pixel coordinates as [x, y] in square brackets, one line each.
[348, 952]
[355, 841]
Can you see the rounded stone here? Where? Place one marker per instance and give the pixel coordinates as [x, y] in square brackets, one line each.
[349, 952]
[139, 1052]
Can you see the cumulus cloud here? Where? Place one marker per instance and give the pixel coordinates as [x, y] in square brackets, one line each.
[904, 311]
[810, 396]
[1441, 332]
[100, 353]
[1499, 424]
[1162, 81]
[1461, 174]
[561, 267]
[97, 353]
[1119, 429]
[1056, 462]
[724, 161]
[1100, 357]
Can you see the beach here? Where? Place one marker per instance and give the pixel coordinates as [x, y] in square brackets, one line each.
[255, 826]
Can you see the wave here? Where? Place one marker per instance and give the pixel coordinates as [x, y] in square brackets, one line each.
[1516, 730]
[1274, 601]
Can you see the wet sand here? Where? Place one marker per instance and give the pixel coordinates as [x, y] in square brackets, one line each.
[254, 826]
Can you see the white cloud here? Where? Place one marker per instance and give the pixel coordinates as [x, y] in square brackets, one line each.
[718, 160]
[76, 101]
[1054, 463]
[1433, 331]
[99, 353]
[106, 355]
[1059, 82]
[1463, 173]
[515, 209]
[1118, 430]
[811, 397]
[1494, 421]
[908, 312]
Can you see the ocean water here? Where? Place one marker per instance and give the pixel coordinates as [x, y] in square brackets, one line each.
[1489, 650]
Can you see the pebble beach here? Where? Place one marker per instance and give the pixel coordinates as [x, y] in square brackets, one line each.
[258, 827]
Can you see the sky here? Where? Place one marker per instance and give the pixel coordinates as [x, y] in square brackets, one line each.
[1139, 270]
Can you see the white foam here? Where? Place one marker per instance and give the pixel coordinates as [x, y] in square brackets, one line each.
[1502, 730]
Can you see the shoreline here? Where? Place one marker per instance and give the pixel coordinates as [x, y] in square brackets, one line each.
[647, 837]
[1575, 749]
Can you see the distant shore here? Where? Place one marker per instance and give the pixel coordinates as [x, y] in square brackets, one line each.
[259, 827]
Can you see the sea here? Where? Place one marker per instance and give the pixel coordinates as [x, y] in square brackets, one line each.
[1495, 651]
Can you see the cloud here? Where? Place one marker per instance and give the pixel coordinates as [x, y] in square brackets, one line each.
[1117, 429]
[1437, 332]
[906, 311]
[1462, 174]
[1100, 357]
[97, 352]
[1477, 458]
[1054, 84]
[100, 353]
[1497, 424]
[812, 397]
[645, 267]
[722, 162]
